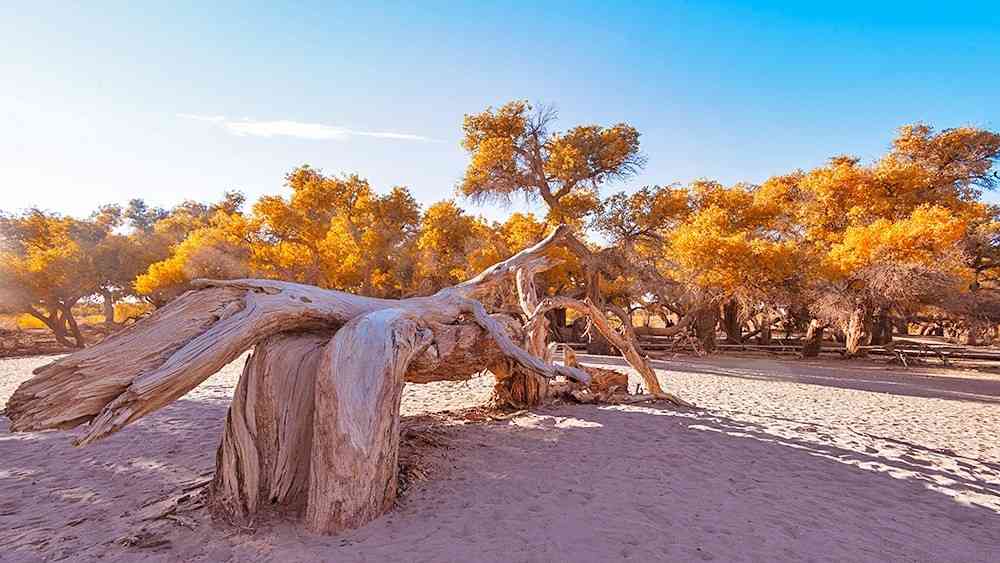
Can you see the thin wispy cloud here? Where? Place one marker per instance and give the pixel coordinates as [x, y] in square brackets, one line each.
[286, 128]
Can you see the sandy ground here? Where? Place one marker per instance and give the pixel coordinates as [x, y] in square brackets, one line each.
[784, 460]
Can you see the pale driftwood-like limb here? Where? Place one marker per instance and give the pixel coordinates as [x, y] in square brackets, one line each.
[74, 389]
[528, 258]
[263, 457]
[628, 350]
[356, 433]
[518, 355]
[166, 355]
[527, 295]
[345, 434]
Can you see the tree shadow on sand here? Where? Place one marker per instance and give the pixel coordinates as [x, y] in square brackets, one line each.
[571, 483]
[852, 375]
[56, 496]
[652, 484]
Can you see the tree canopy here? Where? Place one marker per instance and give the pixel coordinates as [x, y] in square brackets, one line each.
[846, 242]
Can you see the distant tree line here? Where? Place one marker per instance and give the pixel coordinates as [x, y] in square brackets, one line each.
[855, 247]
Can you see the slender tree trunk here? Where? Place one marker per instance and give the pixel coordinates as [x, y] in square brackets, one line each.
[812, 344]
[902, 325]
[596, 343]
[881, 329]
[108, 306]
[731, 321]
[74, 329]
[854, 333]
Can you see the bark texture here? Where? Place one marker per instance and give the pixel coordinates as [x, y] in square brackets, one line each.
[263, 458]
[764, 337]
[733, 325]
[355, 450]
[854, 333]
[516, 387]
[704, 327]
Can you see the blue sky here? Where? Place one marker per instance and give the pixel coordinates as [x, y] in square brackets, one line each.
[172, 100]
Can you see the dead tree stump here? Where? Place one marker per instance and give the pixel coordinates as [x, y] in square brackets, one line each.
[263, 458]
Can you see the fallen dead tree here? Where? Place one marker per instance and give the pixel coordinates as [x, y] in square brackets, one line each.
[314, 423]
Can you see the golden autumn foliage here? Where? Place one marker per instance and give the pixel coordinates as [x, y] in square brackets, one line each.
[217, 250]
[828, 239]
[43, 263]
[928, 237]
[728, 243]
[48, 263]
[453, 246]
[512, 151]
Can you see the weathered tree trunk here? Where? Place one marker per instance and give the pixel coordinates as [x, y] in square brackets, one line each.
[812, 344]
[356, 379]
[55, 323]
[263, 458]
[902, 325]
[704, 327]
[263, 461]
[597, 343]
[731, 321]
[854, 333]
[353, 471]
[74, 328]
[881, 329]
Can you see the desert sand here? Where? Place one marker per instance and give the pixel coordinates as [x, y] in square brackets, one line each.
[783, 460]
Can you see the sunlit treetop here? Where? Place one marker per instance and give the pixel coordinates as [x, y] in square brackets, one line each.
[928, 237]
[218, 250]
[41, 259]
[513, 152]
[727, 244]
[452, 246]
[959, 159]
[948, 168]
[336, 232]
